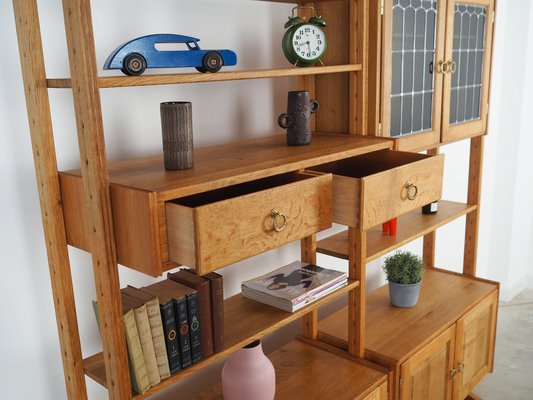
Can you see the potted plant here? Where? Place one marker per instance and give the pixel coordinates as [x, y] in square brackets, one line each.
[404, 272]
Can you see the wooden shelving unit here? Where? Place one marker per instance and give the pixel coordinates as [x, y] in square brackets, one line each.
[97, 188]
[118, 213]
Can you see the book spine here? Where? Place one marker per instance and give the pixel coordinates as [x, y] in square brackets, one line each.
[138, 374]
[171, 336]
[217, 309]
[180, 309]
[195, 328]
[158, 337]
[147, 344]
[204, 301]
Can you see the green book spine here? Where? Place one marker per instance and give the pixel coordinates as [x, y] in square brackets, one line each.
[139, 376]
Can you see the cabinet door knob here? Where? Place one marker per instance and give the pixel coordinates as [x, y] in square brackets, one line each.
[412, 190]
[279, 220]
[452, 66]
[442, 67]
[453, 373]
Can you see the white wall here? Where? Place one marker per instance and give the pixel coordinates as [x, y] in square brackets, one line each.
[222, 112]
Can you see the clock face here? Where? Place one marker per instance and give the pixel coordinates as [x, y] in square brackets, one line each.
[308, 42]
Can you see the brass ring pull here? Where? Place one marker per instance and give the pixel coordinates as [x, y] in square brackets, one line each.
[453, 66]
[279, 220]
[412, 190]
[442, 67]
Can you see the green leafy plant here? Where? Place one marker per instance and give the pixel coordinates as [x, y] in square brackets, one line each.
[404, 267]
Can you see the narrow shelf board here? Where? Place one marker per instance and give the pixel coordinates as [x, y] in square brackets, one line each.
[260, 321]
[233, 163]
[173, 79]
[410, 226]
[397, 333]
[304, 371]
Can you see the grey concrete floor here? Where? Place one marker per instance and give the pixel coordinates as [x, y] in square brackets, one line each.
[512, 378]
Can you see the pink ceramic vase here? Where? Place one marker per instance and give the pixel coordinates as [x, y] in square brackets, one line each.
[249, 375]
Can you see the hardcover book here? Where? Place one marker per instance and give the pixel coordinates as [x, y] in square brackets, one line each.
[186, 310]
[138, 373]
[156, 327]
[168, 317]
[217, 309]
[202, 285]
[145, 336]
[216, 287]
[293, 286]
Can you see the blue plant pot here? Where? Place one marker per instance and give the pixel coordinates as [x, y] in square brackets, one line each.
[403, 296]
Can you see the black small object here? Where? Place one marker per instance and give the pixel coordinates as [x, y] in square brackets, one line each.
[430, 208]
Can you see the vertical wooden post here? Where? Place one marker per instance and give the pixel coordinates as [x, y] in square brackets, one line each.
[309, 320]
[474, 196]
[42, 138]
[84, 75]
[374, 67]
[428, 254]
[356, 298]
[358, 99]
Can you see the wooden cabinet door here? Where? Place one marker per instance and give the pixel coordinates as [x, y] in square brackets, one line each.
[469, 25]
[474, 346]
[413, 46]
[426, 375]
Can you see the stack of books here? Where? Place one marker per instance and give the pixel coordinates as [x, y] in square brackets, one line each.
[294, 286]
[171, 325]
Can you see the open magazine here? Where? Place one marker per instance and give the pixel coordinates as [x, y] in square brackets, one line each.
[293, 286]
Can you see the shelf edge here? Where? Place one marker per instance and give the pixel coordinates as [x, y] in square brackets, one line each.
[173, 79]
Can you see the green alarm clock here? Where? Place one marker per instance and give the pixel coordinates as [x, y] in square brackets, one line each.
[304, 42]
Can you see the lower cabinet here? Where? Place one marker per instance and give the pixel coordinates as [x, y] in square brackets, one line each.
[438, 350]
[451, 366]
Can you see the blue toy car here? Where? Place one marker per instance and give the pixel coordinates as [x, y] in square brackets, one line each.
[133, 57]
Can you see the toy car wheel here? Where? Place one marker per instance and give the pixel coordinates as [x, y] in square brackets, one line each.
[134, 64]
[212, 61]
[201, 69]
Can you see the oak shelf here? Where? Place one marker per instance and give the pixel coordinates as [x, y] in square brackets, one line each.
[233, 163]
[174, 79]
[410, 226]
[260, 320]
[398, 333]
[304, 372]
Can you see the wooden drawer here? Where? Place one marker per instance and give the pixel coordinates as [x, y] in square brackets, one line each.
[210, 230]
[376, 187]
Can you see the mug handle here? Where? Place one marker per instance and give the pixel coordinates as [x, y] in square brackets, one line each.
[284, 120]
[314, 106]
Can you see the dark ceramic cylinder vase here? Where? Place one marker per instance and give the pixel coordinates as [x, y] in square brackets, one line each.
[297, 118]
[176, 126]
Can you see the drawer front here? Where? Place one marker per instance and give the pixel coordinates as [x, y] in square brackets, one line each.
[214, 235]
[399, 190]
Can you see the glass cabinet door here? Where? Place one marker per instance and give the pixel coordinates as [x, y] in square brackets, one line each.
[413, 46]
[466, 81]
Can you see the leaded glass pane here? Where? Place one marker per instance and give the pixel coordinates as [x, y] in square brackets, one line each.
[414, 24]
[468, 48]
